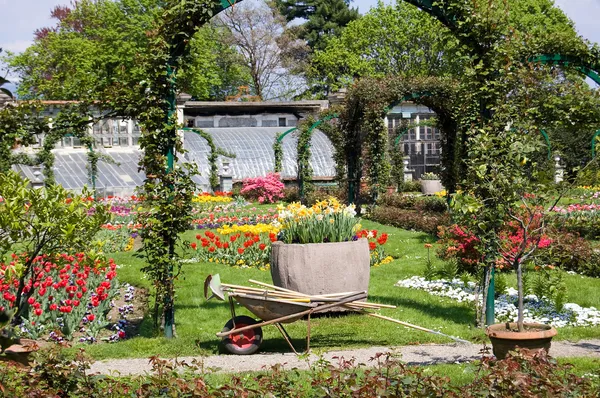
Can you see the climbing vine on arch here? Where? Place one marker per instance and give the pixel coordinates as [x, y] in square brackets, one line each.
[23, 124]
[148, 94]
[305, 170]
[365, 137]
[278, 153]
[213, 156]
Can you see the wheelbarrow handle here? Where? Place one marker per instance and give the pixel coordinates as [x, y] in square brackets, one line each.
[355, 297]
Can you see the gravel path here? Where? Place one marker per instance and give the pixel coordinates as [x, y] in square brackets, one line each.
[412, 355]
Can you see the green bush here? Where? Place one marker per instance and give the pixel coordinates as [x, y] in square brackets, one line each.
[433, 204]
[323, 193]
[414, 202]
[411, 186]
[400, 201]
[409, 219]
[291, 194]
[572, 253]
[583, 223]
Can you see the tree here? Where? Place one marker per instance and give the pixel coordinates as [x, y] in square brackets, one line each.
[38, 222]
[324, 18]
[19, 126]
[4, 81]
[213, 69]
[257, 34]
[95, 42]
[389, 39]
[493, 111]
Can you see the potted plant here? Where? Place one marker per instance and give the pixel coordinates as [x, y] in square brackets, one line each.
[524, 236]
[504, 206]
[431, 184]
[317, 251]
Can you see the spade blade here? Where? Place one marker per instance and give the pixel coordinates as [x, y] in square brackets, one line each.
[214, 284]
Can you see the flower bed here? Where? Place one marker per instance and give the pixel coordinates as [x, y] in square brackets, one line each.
[237, 245]
[583, 219]
[233, 215]
[376, 242]
[536, 310]
[248, 243]
[66, 293]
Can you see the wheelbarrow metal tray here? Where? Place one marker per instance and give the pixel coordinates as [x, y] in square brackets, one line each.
[267, 308]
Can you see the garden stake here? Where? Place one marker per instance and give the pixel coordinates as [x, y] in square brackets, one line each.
[410, 325]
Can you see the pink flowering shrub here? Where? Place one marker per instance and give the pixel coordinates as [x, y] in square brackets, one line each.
[268, 189]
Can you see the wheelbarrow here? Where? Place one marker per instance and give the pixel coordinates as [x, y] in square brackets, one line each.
[242, 335]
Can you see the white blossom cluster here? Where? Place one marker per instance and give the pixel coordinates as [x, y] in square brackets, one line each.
[535, 309]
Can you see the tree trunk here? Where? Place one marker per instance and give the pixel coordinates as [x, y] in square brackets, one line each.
[486, 283]
[520, 289]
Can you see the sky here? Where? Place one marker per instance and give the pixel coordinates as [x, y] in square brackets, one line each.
[20, 18]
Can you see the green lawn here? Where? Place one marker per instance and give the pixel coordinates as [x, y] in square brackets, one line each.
[197, 320]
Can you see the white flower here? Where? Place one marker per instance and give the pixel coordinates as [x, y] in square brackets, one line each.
[350, 210]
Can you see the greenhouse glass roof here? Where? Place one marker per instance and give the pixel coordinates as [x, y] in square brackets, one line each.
[254, 157]
[253, 148]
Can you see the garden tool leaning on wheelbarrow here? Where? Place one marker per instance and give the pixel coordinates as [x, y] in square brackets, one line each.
[275, 305]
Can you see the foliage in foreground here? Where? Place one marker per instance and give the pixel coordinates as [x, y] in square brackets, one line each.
[519, 375]
[41, 222]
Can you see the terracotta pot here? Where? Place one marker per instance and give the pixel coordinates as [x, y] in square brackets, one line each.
[321, 268]
[430, 187]
[535, 338]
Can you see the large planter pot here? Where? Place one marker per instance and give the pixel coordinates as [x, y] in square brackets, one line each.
[321, 268]
[431, 187]
[536, 337]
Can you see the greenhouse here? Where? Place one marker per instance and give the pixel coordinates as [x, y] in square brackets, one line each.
[118, 171]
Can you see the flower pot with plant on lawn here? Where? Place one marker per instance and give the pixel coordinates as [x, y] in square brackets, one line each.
[506, 337]
[318, 252]
[505, 205]
[431, 184]
[523, 236]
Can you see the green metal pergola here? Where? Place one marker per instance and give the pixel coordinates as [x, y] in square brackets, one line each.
[177, 52]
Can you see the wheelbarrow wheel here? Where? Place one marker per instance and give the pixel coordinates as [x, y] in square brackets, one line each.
[243, 343]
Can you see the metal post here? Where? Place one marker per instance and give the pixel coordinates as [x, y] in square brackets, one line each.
[93, 173]
[168, 299]
[490, 309]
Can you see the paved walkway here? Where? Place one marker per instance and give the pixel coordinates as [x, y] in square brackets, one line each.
[412, 355]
